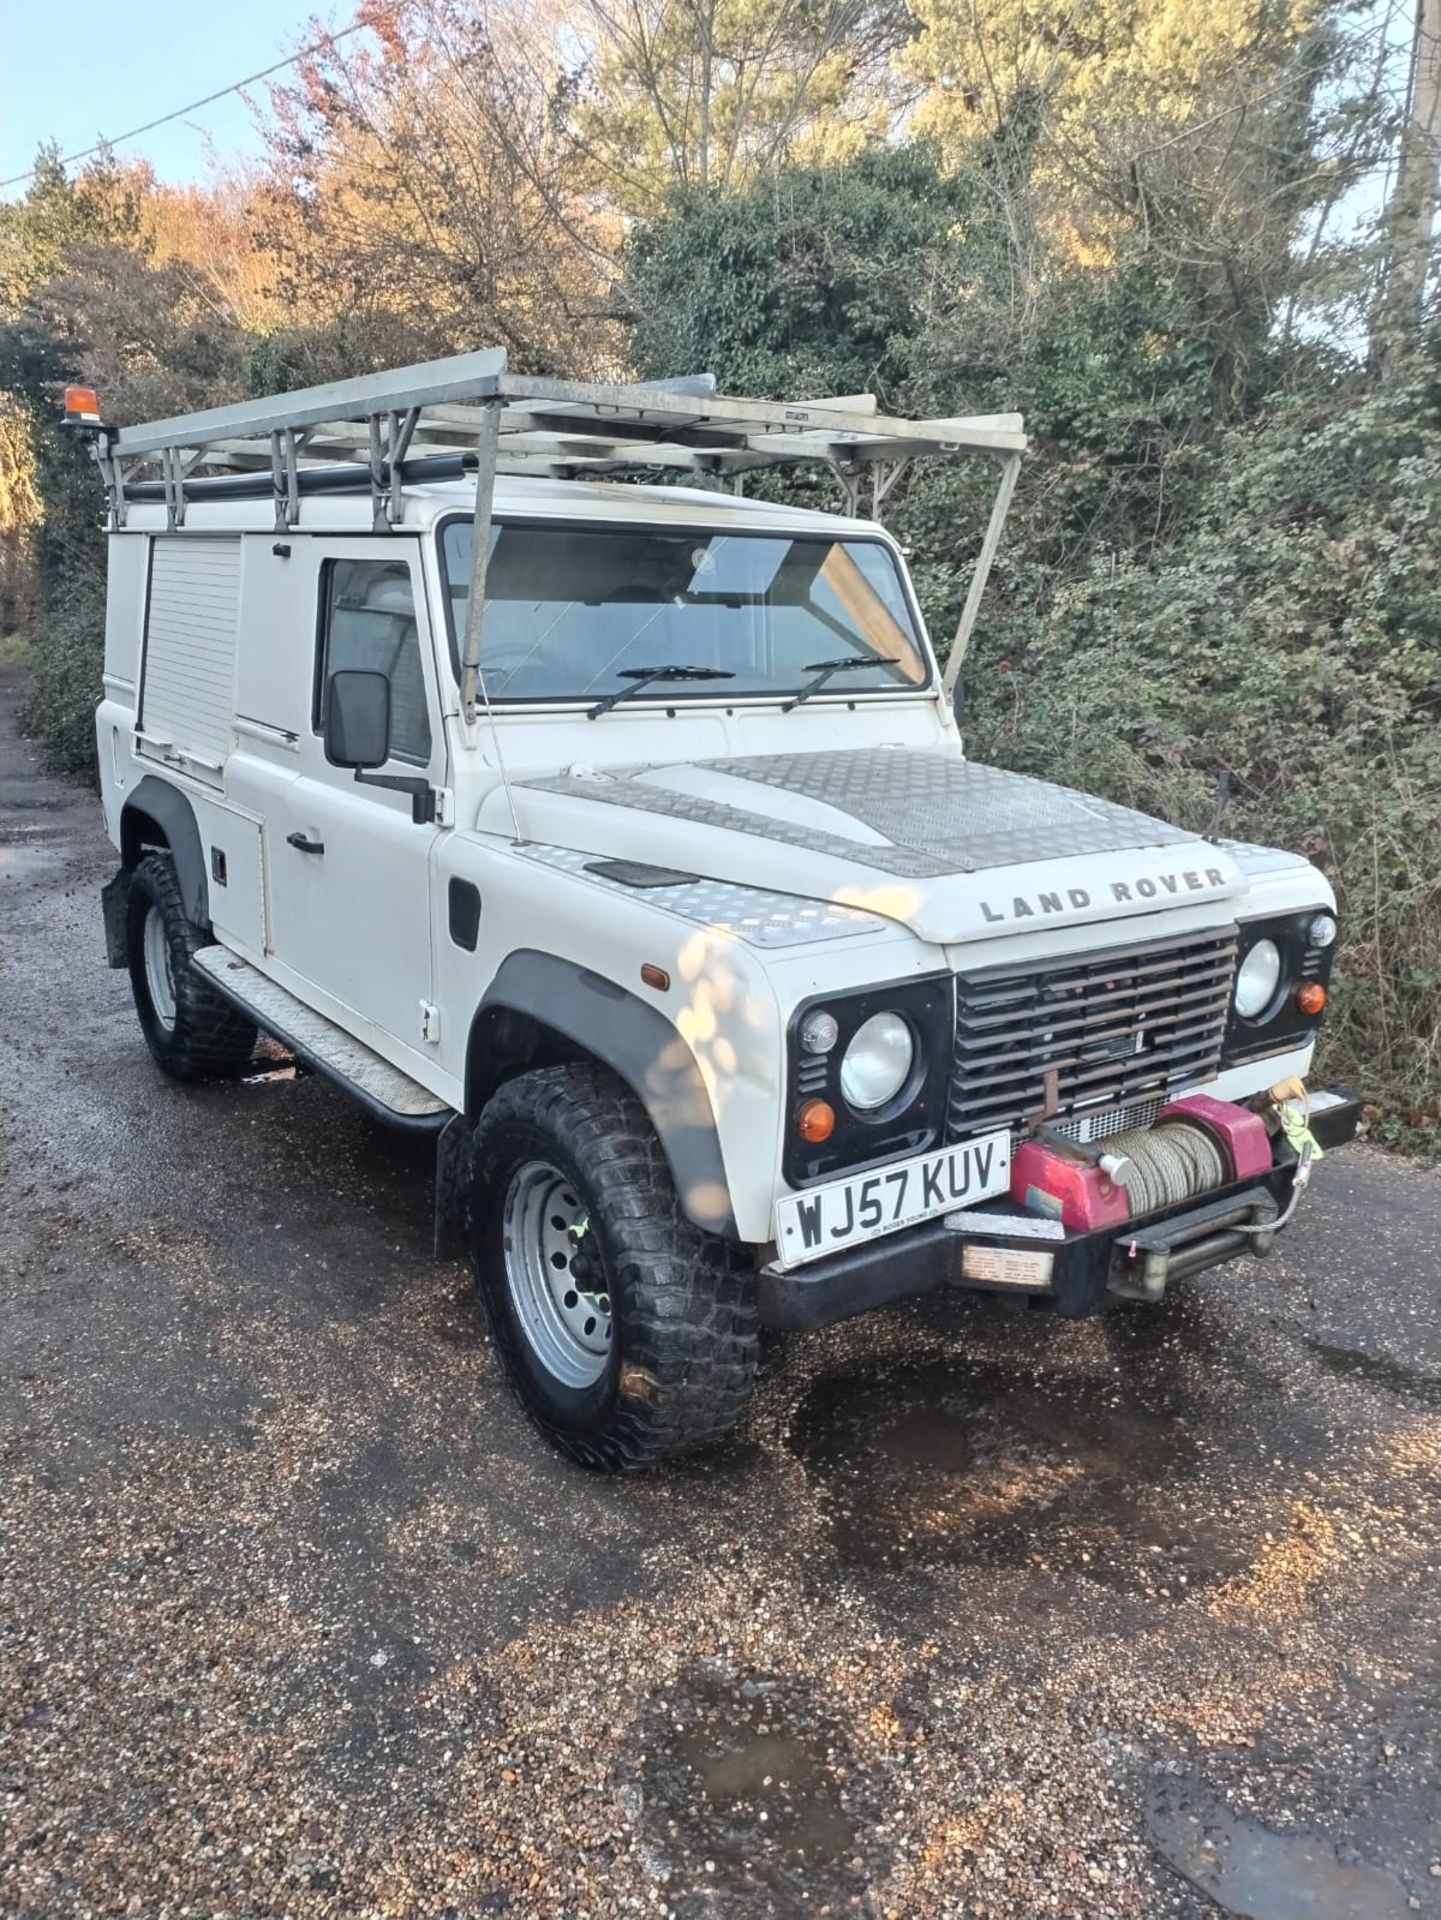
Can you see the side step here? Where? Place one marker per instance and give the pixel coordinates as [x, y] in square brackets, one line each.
[392, 1096]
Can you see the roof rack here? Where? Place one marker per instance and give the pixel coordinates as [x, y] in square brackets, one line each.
[470, 414]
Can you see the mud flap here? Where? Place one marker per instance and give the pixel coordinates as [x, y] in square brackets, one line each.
[452, 1189]
[115, 905]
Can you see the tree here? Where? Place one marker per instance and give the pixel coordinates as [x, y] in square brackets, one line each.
[1409, 224]
[55, 214]
[214, 234]
[1179, 129]
[707, 95]
[85, 299]
[19, 515]
[38, 234]
[426, 194]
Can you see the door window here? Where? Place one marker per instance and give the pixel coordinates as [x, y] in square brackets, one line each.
[368, 621]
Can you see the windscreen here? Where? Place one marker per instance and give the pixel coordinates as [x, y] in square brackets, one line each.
[576, 613]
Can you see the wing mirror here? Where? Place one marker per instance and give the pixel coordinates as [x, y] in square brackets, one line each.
[357, 735]
[357, 718]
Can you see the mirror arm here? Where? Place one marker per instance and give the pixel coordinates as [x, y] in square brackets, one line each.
[422, 793]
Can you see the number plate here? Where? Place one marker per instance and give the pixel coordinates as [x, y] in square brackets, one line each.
[811, 1225]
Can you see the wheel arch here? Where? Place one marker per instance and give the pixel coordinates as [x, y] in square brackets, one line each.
[159, 815]
[543, 1011]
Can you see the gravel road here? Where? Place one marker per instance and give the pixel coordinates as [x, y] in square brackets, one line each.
[982, 1615]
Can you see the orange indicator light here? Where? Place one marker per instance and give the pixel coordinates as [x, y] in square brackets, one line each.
[656, 977]
[816, 1121]
[1311, 997]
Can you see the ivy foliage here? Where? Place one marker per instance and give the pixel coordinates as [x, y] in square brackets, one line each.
[1231, 621]
[1274, 671]
[803, 284]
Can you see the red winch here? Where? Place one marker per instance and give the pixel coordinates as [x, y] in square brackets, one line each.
[1197, 1145]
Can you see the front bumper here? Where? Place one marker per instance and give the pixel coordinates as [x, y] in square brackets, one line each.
[1086, 1273]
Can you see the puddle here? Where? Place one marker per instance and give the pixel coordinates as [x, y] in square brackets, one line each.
[1097, 1472]
[1258, 1874]
[751, 1801]
[1390, 1374]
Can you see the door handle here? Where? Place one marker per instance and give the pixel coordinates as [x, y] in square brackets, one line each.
[303, 843]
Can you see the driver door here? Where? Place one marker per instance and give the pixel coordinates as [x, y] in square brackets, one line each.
[351, 880]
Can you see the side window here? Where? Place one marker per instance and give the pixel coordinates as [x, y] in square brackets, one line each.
[368, 621]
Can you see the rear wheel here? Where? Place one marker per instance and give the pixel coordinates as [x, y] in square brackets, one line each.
[628, 1335]
[193, 1033]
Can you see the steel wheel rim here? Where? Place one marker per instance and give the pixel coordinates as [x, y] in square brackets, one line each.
[159, 975]
[556, 1284]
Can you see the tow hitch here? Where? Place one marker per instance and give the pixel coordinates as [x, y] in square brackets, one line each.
[1144, 1260]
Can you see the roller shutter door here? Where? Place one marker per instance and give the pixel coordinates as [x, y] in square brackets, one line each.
[191, 629]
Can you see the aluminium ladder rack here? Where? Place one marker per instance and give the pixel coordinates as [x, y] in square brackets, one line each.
[469, 414]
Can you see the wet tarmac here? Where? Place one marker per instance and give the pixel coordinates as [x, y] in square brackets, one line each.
[983, 1614]
[1249, 1870]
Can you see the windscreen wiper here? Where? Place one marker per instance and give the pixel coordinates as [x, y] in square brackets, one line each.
[823, 669]
[642, 677]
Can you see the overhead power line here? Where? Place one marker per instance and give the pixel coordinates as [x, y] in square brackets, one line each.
[236, 86]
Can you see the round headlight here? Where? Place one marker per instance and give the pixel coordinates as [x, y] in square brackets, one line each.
[1257, 979]
[1320, 930]
[876, 1064]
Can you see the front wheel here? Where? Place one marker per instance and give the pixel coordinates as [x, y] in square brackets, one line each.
[628, 1335]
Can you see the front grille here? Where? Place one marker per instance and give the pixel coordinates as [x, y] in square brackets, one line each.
[1112, 1030]
[1109, 1121]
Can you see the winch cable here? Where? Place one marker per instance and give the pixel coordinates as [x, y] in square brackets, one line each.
[1169, 1165]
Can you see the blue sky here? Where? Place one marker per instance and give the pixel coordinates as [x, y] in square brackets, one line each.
[73, 70]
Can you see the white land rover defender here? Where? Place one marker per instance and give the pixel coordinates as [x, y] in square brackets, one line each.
[622, 836]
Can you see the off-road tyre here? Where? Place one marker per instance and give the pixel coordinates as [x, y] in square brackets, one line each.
[682, 1360]
[207, 1039]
